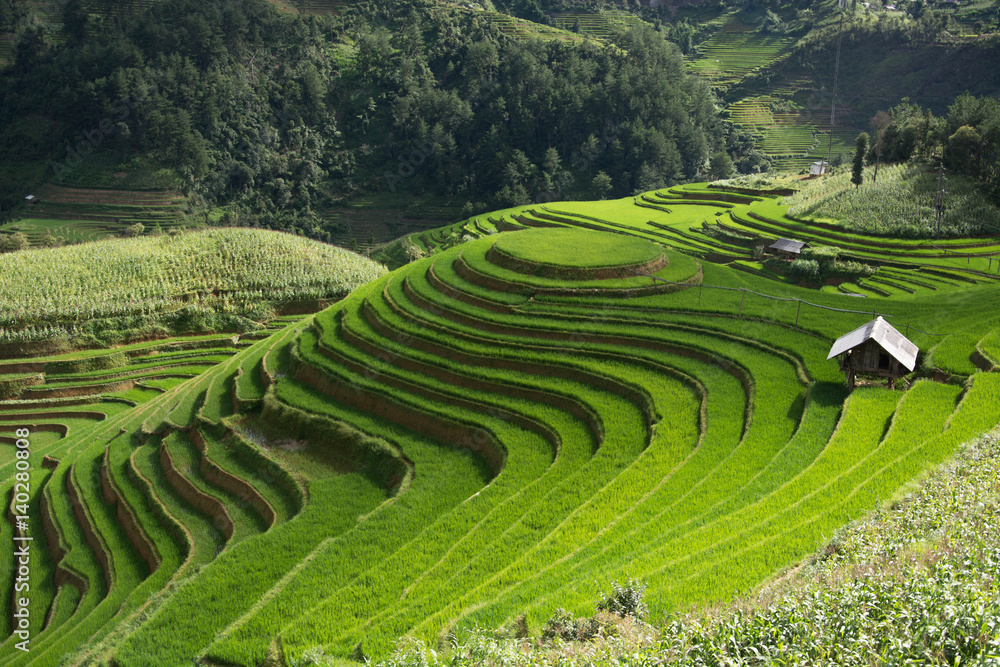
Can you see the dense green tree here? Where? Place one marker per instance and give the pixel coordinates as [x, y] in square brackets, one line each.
[29, 50]
[648, 179]
[860, 149]
[600, 186]
[249, 107]
[720, 166]
[962, 153]
[682, 34]
[11, 13]
[972, 138]
[75, 19]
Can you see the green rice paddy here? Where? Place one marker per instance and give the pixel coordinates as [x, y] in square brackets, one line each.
[577, 248]
[485, 433]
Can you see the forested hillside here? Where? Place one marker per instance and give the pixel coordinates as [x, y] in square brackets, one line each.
[278, 115]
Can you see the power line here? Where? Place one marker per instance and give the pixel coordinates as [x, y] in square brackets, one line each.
[836, 75]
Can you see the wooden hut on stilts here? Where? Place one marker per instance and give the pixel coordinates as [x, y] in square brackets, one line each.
[876, 348]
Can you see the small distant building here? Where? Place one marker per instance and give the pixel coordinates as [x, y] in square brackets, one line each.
[31, 199]
[788, 248]
[818, 168]
[875, 349]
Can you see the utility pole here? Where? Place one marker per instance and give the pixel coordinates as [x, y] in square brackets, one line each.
[836, 75]
[939, 203]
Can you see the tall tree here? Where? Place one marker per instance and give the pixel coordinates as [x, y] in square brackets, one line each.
[601, 185]
[860, 148]
[720, 166]
[879, 122]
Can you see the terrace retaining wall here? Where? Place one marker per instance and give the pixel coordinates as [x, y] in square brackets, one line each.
[89, 534]
[564, 403]
[230, 482]
[465, 271]
[197, 498]
[734, 369]
[133, 531]
[453, 433]
[507, 261]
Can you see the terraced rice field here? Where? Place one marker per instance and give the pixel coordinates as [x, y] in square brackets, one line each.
[735, 51]
[74, 215]
[503, 428]
[6, 49]
[65, 402]
[726, 225]
[794, 140]
[523, 29]
[317, 7]
[600, 24]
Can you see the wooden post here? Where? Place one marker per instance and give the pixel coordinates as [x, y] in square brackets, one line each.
[797, 311]
[741, 302]
[907, 334]
[699, 294]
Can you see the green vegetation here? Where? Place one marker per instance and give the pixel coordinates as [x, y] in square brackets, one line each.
[600, 24]
[363, 104]
[467, 439]
[899, 203]
[928, 550]
[625, 402]
[735, 51]
[217, 279]
[346, 131]
[728, 224]
[577, 248]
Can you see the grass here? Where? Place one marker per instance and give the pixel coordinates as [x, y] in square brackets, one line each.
[926, 551]
[735, 51]
[449, 476]
[475, 541]
[485, 433]
[345, 640]
[82, 428]
[600, 24]
[577, 248]
[496, 278]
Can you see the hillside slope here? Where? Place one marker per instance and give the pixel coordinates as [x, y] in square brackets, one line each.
[935, 548]
[503, 428]
[117, 290]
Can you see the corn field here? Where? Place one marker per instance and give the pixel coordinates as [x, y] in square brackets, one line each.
[223, 270]
[900, 203]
